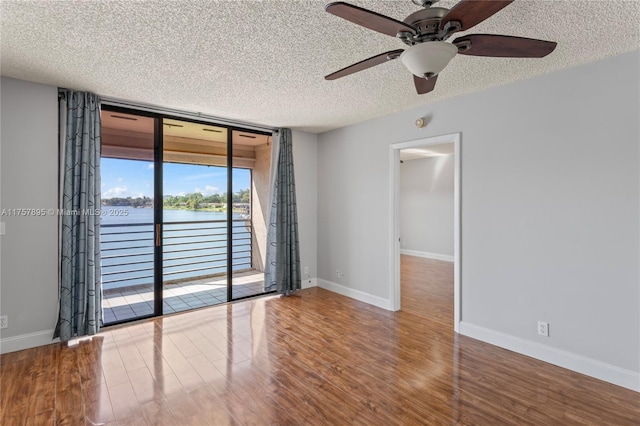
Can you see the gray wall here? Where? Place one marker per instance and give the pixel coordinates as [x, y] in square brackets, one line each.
[29, 176]
[28, 282]
[426, 205]
[305, 158]
[550, 206]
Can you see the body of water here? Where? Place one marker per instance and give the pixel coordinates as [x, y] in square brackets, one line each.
[194, 245]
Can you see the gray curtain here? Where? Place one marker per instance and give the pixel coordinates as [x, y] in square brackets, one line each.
[282, 269]
[80, 303]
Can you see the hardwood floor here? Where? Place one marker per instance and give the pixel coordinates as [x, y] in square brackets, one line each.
[315, 358]
[426, 288]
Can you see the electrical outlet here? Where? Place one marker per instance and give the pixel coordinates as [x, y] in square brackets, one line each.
[4, 321]
[337, 273]
[306, 270]
[543, 328]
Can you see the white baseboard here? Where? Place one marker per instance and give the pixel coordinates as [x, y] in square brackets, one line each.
[445, 257]
[309, 282]
[600, 370]
[26, 341]
[356, 294]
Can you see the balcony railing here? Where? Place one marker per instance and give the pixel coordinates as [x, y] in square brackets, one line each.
[191, 250]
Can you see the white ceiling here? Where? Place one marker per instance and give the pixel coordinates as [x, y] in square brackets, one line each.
[264, 62]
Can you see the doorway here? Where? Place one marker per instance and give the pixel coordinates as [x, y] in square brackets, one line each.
[185, 205]
[427, 263]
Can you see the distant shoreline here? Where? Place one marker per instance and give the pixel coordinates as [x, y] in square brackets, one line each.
[203, 209]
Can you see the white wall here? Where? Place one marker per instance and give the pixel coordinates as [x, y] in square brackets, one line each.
[28, 282]
[29, 176]
[550, 212]
[426, 206]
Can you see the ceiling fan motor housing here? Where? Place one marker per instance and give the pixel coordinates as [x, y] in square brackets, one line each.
[427, 23]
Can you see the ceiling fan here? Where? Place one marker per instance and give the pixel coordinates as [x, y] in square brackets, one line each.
[425, 32]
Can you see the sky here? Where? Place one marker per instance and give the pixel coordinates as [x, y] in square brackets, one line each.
[133, 178]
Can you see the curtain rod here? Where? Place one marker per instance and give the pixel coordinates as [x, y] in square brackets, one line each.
[185, 114]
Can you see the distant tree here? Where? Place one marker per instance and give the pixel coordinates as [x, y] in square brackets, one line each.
[242, 196]
[194, 200]
[129, 201]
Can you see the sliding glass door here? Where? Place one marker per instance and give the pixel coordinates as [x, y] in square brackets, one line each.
[194, 196]
[127, 222]
[194, 225]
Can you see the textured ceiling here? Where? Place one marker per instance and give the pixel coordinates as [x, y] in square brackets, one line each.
[264, 62]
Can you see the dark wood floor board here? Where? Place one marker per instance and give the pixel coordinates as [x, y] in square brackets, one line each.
[46, 418]
[69, 401]
[14, 393]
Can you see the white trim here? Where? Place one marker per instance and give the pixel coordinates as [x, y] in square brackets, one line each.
[394, 219]
[600, 370]
[427, 255]
[309, 282]
[26, 341]
[394, 229]
[457, 235]
[355, 294]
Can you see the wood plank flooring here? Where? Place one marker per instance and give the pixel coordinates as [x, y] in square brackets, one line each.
[314, 358]
[426, 288]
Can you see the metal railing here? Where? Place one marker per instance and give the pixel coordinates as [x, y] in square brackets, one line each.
[191, 250]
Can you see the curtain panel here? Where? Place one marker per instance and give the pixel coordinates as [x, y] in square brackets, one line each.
[282, 268]
[80, 300]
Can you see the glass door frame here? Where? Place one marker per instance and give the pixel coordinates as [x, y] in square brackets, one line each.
[158, 202]
[158, 191]
[157, 206]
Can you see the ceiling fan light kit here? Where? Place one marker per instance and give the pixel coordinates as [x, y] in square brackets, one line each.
[425, 32]
[429, 58]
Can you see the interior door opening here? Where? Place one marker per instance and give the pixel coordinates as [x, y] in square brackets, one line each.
[426, 231]
[425, 228]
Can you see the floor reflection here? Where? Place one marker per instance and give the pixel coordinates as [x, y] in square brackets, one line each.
[312, 358]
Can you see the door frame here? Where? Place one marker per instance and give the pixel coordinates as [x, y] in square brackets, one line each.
[394, 219]
[158, 115]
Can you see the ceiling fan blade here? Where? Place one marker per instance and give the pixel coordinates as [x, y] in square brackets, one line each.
[472, 12]
[367, 63]
[368, 19]
[502, 46]
[423, 85]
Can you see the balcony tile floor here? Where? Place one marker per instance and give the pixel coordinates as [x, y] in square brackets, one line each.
[137, 301]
